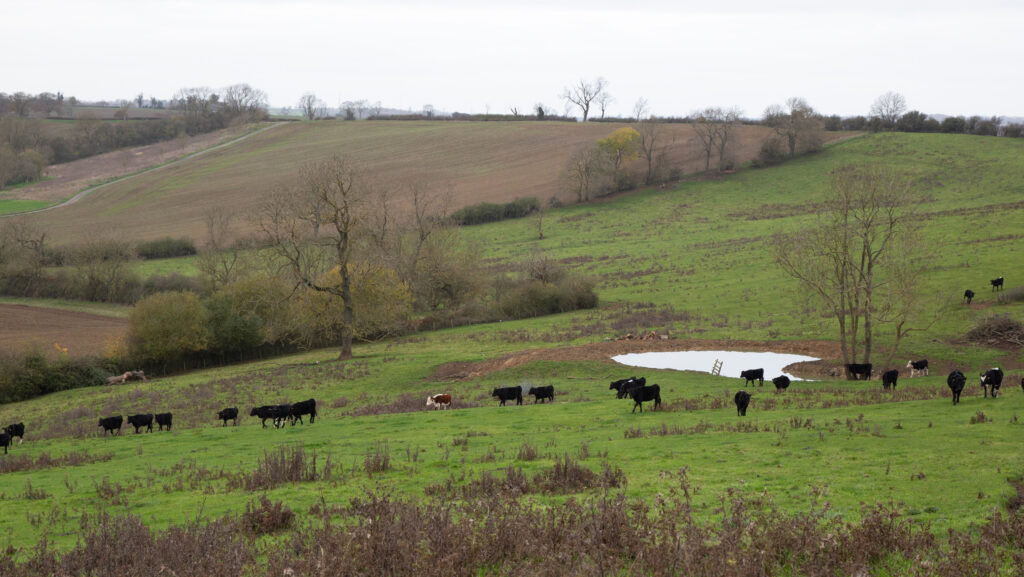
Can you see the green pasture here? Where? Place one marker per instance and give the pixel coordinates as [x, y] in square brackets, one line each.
[858, 445]
[693, 259]
[12, 205]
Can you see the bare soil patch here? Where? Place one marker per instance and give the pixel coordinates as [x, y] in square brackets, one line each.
[82, 334]
[604, 351]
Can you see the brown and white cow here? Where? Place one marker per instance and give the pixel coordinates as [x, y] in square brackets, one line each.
[443, 401]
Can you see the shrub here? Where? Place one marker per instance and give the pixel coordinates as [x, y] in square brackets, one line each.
[166, 247]
[773, 151]
[166, 326]
[266, 516]
[490, 212]
[169, 283]
[32, 375]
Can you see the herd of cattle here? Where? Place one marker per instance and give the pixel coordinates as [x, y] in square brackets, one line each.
[278, 414]
[991, 380]
[633, 388]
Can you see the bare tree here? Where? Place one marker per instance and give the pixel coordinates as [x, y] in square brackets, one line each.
[641, 109]
[584, 94]
[704, 128]
[725, 123]
[584, 171]
[603, 101]
[887, 109]
[858, 248]
[797, 124]
[219, 263]
[650, 133]
[311, 106]
[245, 102]
[341, 190]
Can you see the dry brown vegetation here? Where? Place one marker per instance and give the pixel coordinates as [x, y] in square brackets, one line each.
[478, 161]
[501, 534]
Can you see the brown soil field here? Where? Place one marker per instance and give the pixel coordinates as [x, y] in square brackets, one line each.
[476, 161]
[82, 334]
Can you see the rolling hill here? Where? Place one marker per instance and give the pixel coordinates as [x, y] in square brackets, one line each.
[477, 161]
[692, 261]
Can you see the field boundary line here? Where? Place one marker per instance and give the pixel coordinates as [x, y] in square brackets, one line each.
[82, 193]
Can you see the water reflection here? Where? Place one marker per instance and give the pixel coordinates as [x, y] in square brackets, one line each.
[732, 362]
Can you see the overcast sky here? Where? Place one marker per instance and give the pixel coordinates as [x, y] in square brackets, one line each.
[946, 57]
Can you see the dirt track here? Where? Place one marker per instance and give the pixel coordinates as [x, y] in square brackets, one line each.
[81, 333]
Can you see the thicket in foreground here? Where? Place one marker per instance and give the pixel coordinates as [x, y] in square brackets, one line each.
[606, 534]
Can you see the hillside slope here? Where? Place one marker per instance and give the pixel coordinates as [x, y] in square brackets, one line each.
[477, 161]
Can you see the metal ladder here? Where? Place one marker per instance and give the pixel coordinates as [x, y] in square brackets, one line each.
[717, 370]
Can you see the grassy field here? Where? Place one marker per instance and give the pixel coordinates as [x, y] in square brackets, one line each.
[478, 161]
[690, 260]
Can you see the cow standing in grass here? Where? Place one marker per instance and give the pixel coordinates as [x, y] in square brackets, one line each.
[641, 395]
[141, 420]
[307, 407]
[956, 381]
[16, 430]
[742, 400]
[442, 401]
[164, 420]
[781, 383]
[112, 425]
[752, 375]
[991, 380]
[889, 379]
[228, 414]
[918, 367]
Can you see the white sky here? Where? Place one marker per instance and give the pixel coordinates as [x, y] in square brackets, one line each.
[946, 57]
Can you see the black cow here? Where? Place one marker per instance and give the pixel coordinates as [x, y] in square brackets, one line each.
[623, 387]
[111, 424]
[889, 379]
[997, 284]
[278, 413]
[956, 381]
[753, 375]
[617, 385]
[856, 370]
[16, 430]
[141, 420]
[228, 414]
[628, 386]
[781, 383]
[968, 296]
[307, 407]
[507, 394]
[541, 393]
[163, 420]
[640, 395]
[991, 380]
[5, 440]
[742, 399]
[1022, 384]
[918, 367]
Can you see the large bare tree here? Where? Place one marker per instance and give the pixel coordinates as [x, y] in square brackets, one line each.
[797, 124]
[340, 193]
[859, 259]
[583, 94]
[311, 106]
[887, 109]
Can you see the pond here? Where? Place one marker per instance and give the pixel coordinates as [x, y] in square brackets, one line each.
[732, 362]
